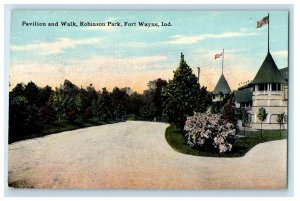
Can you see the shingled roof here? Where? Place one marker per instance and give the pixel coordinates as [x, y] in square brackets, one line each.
[285, 73]
[222, 86]
[268, 72]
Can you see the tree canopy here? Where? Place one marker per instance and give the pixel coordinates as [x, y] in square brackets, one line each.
[183, 95]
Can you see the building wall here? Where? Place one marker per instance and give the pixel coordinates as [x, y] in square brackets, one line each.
[274, 103]
[269, 126]
[271, 120]
[217, 98]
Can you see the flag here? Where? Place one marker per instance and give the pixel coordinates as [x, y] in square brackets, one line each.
[263, 21]
[218, 55]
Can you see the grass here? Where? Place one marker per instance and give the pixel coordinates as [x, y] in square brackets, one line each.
[57, 127]
[241, 146]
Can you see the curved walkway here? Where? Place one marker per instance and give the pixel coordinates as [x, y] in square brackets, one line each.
[136, 155]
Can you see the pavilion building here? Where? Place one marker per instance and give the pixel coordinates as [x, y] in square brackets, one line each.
[268, 90]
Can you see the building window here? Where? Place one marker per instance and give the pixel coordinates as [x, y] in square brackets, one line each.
[262, 87]
[276, 87]
[252, 119]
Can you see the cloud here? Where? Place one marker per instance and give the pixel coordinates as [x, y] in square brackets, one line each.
[134, 72]
[237, 68]
[55, 47]
[112, 19]
[101, 71]
[280, 53]
[182, 39]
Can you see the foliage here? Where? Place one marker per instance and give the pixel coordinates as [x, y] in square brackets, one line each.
[135, 103]
[33, 109]
[183, 95]
[262, 116]
[147, 109]
[218, 106]
[26, 104]
[279, 119]
[229, 112]
[156, 96]
[245, 118]
[208, 131]
[119, 102]
[239, 148]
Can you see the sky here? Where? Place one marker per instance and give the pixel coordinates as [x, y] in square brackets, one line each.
[131, 56]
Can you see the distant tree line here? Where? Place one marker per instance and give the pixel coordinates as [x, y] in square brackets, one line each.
[35, 110]
[31, 108]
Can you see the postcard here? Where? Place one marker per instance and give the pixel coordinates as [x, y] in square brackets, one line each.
[107, 99]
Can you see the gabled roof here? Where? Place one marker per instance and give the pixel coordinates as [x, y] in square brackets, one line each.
[242, 96]
[268, 72]
[222, 86]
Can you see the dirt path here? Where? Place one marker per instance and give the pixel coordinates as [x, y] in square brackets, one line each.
[136, 155]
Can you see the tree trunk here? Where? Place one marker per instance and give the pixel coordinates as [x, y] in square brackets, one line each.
[261, 130]
[280, 129]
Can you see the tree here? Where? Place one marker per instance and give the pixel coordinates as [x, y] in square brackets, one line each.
[279, 119]
[58, 101]
[31, 92]
[43, 96]
[119, 102]
[245, 118]
[156, 96]
[106, 104]
[147, 109]
[183, 95]
[18, 113]
[46, 112]
[261, 115]
[23, 111]
[135, 103]
[66, 101]
[84, 101]
[229, 112]
[101, 105]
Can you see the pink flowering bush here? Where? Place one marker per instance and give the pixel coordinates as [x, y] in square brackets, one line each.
[209, 131]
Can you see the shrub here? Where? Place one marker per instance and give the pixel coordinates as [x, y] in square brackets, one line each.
[71, 116]
[210, 132]
[88, 114]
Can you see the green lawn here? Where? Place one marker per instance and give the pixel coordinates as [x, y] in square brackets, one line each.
[242, 145]
[57, 127]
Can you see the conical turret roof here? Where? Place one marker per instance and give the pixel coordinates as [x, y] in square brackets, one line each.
[268, 72]
[222, 86]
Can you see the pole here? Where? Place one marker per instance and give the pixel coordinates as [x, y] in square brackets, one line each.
[268, 32]
[222, 60]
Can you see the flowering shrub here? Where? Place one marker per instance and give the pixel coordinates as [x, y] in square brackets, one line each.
[210, 131]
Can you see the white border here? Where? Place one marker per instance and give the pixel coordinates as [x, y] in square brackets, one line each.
[293, 109]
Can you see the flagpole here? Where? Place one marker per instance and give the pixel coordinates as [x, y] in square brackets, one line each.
[268, 32]
[222, 60]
